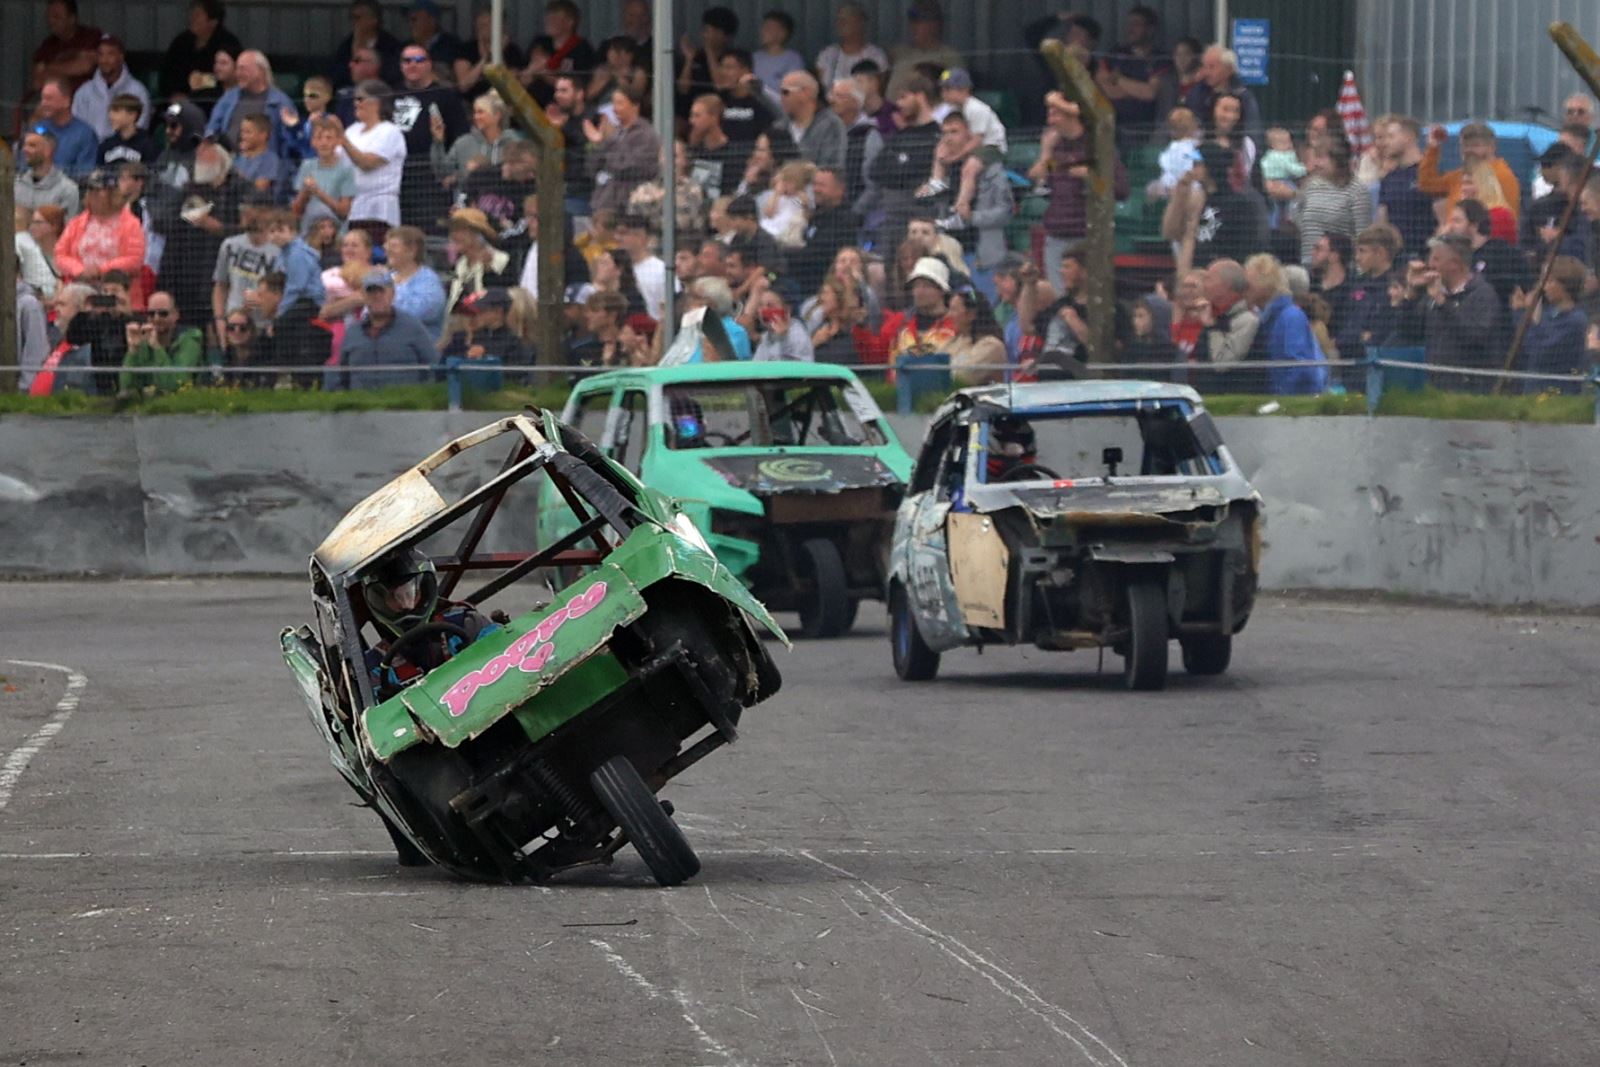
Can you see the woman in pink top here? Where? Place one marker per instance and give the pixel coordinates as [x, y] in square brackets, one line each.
[105, 237]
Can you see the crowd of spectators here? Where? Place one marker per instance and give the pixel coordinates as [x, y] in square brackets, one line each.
[856, 203]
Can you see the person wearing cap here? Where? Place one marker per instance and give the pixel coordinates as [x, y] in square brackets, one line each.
[1453, 311]
[112, 78]
[379, 335]
[1564, 170]
[479, 264]
[127, 143]
[1207, 218]
[188, 59]
[926, 328]
[985, 140]
[105, 237]
[487, 334]
[76, 143]
[924, 43]
[40, 181]
[243, 259]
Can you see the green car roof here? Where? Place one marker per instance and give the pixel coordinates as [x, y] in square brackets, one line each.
[731, 371]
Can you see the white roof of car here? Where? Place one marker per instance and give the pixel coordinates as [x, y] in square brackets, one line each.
[1059, 394]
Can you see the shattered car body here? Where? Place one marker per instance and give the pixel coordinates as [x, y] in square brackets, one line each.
[539, 745]
[789, 469]
[1020, 527]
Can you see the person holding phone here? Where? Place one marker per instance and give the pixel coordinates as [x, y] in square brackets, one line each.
[421, 106]
[156, 339]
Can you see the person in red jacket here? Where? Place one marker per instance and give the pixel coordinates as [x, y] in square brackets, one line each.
[105, 237]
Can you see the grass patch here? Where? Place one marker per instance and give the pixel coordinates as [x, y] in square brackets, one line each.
[1323, 404]
[1549, 408]
[1538, 407]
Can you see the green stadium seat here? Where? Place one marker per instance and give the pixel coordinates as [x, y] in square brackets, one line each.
[1004, 102]
[1020, 155]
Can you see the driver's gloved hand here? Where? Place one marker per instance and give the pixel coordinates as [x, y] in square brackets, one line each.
[498, 615]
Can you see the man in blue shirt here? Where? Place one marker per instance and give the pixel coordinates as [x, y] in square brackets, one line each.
[76, 142]
[385, 337]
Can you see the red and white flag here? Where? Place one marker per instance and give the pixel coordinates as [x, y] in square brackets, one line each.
[1353, 115]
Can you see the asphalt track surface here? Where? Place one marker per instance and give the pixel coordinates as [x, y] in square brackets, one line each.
[1372, 843]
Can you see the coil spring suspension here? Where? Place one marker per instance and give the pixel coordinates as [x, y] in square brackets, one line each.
[571, 803]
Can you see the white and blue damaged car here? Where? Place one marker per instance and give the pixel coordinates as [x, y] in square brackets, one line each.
[1068, 515]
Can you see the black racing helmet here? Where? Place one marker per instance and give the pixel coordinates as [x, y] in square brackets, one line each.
[401, 590]
[1012, 436]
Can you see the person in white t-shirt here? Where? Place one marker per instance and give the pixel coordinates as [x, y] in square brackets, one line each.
[378, 149]
[835, 62]
[649, 269]
[955, 85]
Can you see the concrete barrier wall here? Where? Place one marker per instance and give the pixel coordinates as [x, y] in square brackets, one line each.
[1494, 513]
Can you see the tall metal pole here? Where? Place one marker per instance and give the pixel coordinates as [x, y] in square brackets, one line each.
[662, 84]
[8, 268]
[497, 33]
[1220, 14]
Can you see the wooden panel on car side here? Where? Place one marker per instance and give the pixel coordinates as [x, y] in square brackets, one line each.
[978, 563]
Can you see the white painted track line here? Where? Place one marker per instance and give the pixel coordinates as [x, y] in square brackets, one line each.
[18, 759]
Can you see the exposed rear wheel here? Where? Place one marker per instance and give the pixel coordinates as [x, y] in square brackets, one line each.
[650, 829]
[1207, 653]
[914, 661]
[825, 605]
[1145, 661]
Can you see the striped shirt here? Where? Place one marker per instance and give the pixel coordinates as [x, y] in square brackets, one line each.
[1324, 207]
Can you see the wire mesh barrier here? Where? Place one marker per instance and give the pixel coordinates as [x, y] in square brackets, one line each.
[437, 187]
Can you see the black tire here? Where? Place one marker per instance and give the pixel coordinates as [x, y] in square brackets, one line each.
[850, 617]
[1145, 662]
[659, 842]
[914, 661]
[825, 605]
[1207, 653]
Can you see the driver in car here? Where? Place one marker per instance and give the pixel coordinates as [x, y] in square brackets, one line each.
[402, 594]
[1012, 446]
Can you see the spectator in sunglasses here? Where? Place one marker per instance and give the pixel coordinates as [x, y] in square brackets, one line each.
[160, 341]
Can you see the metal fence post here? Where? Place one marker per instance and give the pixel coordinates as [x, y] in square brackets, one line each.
[9, 356]
[452, 379]
[1374, 382]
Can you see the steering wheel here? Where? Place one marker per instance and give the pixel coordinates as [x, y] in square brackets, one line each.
[417, 633]
[1027, 472]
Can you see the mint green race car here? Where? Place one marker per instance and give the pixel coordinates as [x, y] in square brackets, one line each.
[790, 470]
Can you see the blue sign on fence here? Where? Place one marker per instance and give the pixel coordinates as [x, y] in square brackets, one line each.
[1251, 38]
